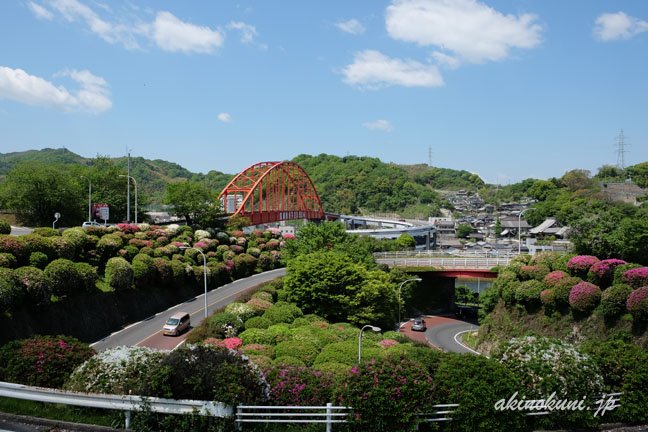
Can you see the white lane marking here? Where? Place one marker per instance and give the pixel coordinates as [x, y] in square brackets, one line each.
[464, 345]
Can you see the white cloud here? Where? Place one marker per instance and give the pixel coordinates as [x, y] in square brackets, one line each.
[224, 117]
[615, 26]
[352, 26]
[167, 31]
[92, 97]
[445, 60]
[172, 34]
[373, 70]
[380, 125]
[73, 11]
[40, 11]
[472, 31]
[247, 31]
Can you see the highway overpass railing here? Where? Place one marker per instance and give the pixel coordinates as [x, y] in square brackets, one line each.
[447, 262]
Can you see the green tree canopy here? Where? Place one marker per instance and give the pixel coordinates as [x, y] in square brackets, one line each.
[193, 201]
[334, 286]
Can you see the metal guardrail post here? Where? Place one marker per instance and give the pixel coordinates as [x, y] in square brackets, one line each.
[329, 425]
[128, 419]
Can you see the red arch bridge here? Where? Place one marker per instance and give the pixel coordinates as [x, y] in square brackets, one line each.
[270, 192]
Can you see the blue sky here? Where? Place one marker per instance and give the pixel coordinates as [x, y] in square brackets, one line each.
[506, 89]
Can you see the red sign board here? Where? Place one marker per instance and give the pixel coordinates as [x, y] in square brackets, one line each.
[101, 211]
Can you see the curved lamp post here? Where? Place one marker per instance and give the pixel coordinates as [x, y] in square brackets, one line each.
[399, 296]
[376, 329]
[134, 181]
[89, 198]
[204, 269]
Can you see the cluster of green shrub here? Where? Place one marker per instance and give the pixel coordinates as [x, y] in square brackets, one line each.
[259, 350]
[47, 265]
[577, 284]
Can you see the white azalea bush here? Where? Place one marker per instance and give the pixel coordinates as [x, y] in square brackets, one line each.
[116, 370]
[201, 234]
[242, 310]
[547, 365]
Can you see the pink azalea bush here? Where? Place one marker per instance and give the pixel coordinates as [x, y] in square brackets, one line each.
[584, 296]
[289, 236]
[387, 343]
[259, 304]
[580, 264]
[603, 270]
[554, 278]
[229, 343]
[537, 272]
[200, 245]
[637, 303]
[299, 386]
[128, 228]
[548, 297]
[636, 277]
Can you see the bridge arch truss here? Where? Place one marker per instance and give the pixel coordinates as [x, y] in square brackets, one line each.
[270, 192]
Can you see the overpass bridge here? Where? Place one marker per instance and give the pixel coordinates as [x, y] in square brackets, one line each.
[447, 266]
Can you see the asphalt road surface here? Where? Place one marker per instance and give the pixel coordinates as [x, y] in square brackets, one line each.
[18, 231]
[148, 332]
[445, 333]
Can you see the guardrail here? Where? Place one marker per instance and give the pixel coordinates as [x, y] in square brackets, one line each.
[126, 403]
[454, 263]
[440, 254]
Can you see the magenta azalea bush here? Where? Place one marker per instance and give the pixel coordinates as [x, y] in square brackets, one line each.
[400, 389]
[229, 343]
[580, 264]
[387, 343]
[584, 296]
[44, 361]
[603, 271]
[554, 278]
[636, 277]
[637, 303]
[299, 386]
[548, 297]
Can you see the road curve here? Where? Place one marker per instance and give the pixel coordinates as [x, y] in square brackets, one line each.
[447, 334]
[148, 332]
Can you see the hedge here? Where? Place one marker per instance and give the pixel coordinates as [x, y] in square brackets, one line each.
[119, 273]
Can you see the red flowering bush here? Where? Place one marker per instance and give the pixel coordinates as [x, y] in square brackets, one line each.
[553, 278]
[584, 296]
[289, 236]
[603, 271]
[386, 396]
[637, 277]
[580, 264]
[44, 361]
[299, 386]
[12, 245]
[128, 228]
[637, 303]
[229, 343]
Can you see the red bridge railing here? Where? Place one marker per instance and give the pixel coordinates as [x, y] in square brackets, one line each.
[271, 192]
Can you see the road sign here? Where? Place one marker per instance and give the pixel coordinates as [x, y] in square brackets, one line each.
[101, 211]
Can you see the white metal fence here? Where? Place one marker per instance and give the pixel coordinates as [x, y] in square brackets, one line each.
[126, 403]
[328, 414]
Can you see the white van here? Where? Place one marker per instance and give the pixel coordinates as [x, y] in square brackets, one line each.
[178, 323]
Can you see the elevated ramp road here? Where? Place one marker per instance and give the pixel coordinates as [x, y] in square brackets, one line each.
[148, 332]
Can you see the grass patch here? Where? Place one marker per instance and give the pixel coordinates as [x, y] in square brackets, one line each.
[59, 412]
[470, 338]
[103, 285]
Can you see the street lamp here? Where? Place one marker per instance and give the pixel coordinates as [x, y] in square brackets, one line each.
[89, 198]
[520, 228]
[204, 268]
[376, 329]
[399, 295]
[134, 181]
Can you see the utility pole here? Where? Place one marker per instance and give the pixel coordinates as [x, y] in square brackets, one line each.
[128, 191]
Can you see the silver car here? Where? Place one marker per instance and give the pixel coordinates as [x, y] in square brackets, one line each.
[419, 325]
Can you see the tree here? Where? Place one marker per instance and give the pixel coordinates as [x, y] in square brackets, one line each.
[639, 174]
[540, 189]
[332, 285]
[38, 190]
[577, 179]
[193, 201]
[464, 230]
[498, 228]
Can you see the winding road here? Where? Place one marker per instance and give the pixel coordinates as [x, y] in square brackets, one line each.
[443, 333]
[148, 332]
